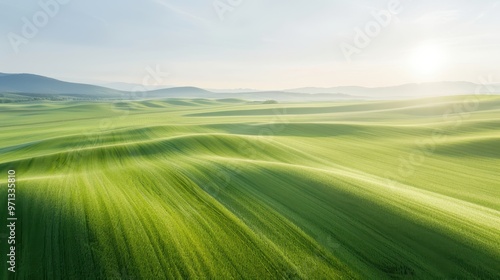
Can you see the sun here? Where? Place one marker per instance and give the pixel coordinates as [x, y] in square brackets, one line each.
[427, 60]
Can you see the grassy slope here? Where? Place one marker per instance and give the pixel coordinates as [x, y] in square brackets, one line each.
[199, 188]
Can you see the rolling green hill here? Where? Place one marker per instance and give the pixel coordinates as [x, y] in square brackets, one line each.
[200, 188]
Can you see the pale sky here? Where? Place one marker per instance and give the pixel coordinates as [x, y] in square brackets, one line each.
[258, 44]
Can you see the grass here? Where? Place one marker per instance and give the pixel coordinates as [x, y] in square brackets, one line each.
[229, 189]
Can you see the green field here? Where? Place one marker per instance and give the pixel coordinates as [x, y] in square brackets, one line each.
[228, 189]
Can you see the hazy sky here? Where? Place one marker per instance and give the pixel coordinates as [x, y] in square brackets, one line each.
[258, 44]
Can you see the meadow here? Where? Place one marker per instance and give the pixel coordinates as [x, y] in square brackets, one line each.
[231, 189]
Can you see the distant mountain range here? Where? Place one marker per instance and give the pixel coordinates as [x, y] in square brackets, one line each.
[30, 86]
[128, 86]
[34, 84]
[407, 90]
